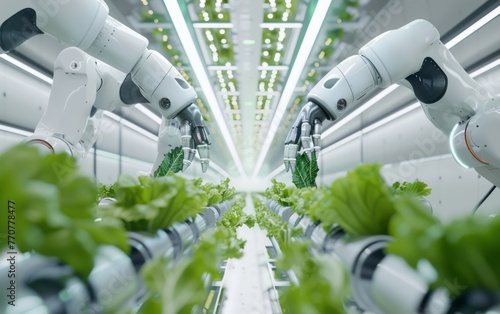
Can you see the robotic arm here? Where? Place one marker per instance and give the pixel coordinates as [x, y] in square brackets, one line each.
[85, 24]
[414, 57]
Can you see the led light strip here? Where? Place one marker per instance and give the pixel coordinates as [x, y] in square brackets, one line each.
[272, 67]
[453, 42]
[305, 49]
[222, 67]
[199, 69]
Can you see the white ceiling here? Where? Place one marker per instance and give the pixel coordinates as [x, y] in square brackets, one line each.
[247, 120]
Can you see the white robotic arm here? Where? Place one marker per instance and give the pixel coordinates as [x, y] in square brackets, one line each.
[86, 25]
[414, 57]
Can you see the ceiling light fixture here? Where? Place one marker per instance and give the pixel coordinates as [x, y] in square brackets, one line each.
[303, 54]
[199, 69]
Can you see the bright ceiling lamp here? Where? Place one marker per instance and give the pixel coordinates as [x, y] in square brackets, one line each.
[300, 61]
[199, 69]
[486, 68]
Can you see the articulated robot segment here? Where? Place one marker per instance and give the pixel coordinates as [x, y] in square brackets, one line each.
[86, 25]
[412, 56]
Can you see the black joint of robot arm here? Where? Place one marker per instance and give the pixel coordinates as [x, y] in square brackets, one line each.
[18, 28]
[130, 93]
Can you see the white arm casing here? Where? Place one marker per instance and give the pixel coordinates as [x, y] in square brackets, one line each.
[86, 24]
[162, 84]
[414, 56]
[65, 120]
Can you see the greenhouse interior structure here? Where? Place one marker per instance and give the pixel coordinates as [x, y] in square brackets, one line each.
[249, 156]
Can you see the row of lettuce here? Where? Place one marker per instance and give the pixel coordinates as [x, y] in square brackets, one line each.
[322, 282]
[182, 288]
[57, 215]
[463, 252]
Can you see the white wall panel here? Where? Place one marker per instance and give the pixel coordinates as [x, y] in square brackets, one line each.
[138, 146]
[345, 157]
[23, 98]
[131, 166]
[107, 168]
[455, 190]
[109, 135]
[406, 138]
[87, 165]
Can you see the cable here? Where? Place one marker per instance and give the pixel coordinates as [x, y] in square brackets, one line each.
[483, 199]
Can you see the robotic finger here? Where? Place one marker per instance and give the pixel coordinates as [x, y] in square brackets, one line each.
[289, 156]
[300, 134]
[187, 144]
[200, 137]
[292, 143]
[316, 136]
[194, 135]
[305, 138]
